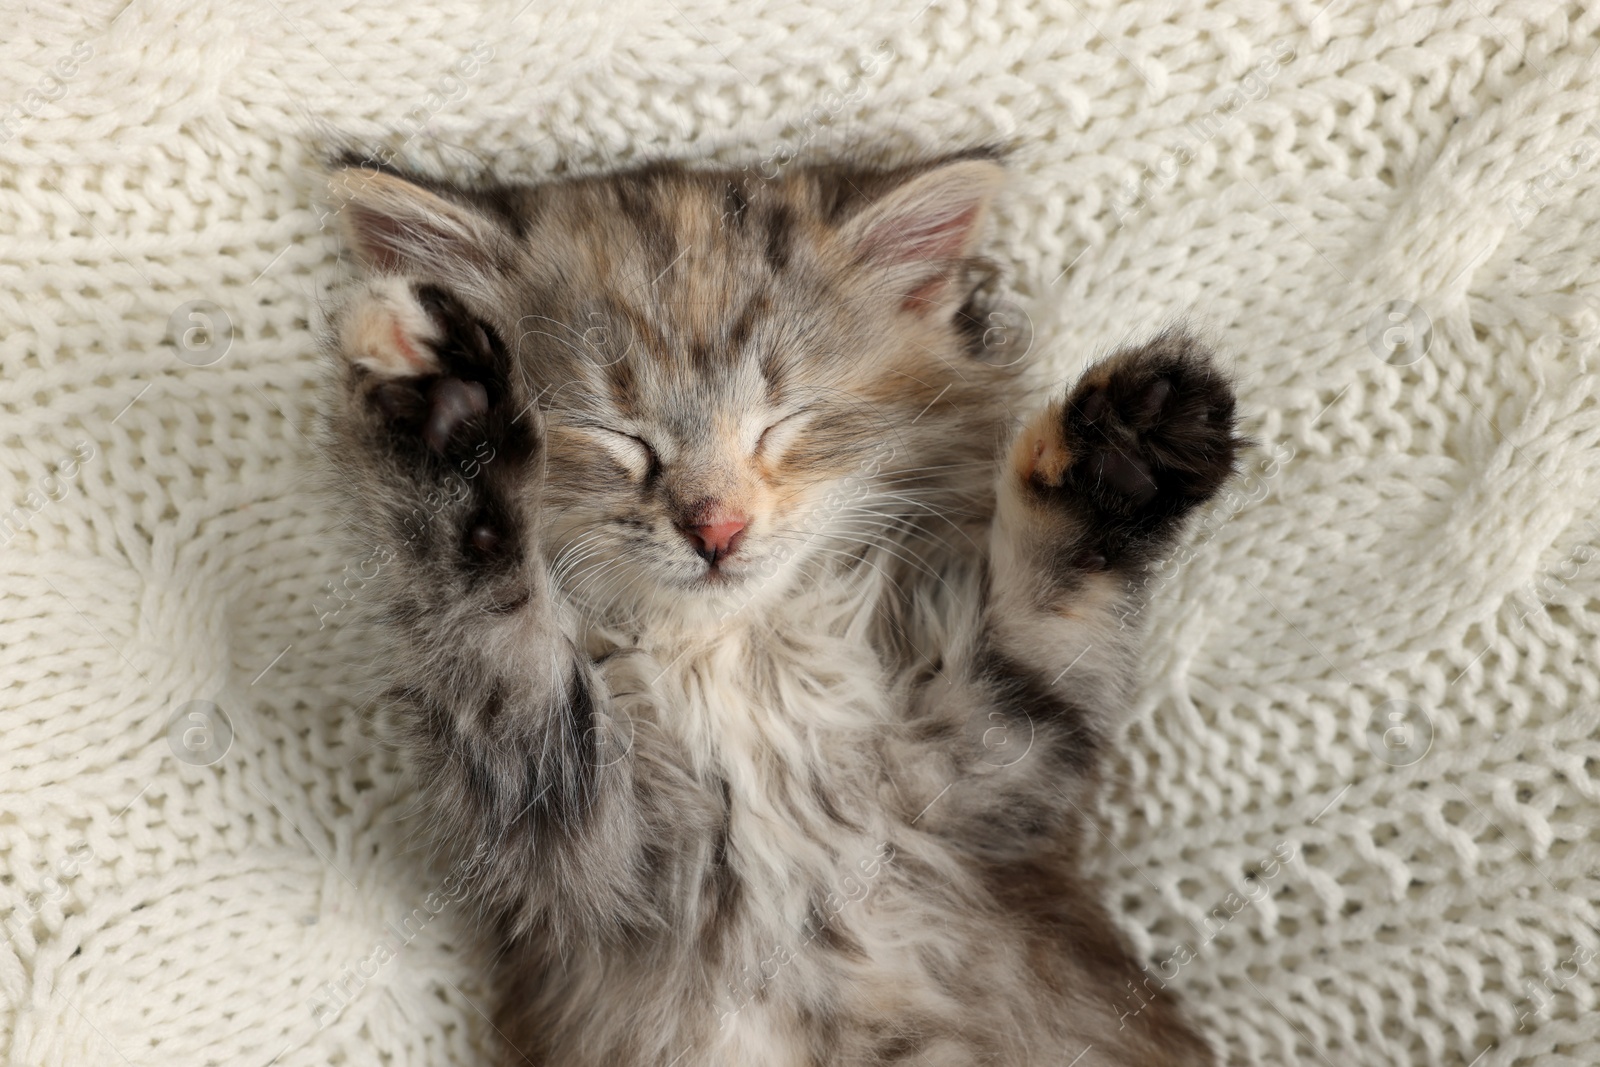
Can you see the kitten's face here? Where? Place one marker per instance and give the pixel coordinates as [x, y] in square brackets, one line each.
[700, 483]
[736, 377]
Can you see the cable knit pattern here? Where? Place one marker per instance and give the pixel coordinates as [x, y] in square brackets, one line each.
[1376, 659]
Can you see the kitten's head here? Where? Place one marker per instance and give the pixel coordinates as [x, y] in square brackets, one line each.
[735, 376]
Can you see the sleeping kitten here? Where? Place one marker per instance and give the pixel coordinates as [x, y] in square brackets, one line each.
[757, 637]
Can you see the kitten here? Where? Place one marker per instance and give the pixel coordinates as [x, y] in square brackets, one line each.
[756, 638]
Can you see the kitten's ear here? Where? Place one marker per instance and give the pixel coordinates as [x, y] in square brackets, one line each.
[918, 233]
[397, 227]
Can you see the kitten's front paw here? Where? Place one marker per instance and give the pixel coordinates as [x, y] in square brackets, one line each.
[405, 339]
[1145, 437]
[431, 430]
[433, 373]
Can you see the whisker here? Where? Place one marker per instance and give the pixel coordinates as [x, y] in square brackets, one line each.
[935, 512]
[563, 579]
[892, 549]
[856, 559]
[588, 576]
[566, 553]
[922, 507]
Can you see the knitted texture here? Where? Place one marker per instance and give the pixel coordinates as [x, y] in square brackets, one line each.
[1353, 820]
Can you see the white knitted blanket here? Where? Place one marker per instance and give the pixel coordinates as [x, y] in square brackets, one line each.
[1354, 821]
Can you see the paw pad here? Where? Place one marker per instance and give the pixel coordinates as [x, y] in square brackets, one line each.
[1152, 433]
[484, 538]
[430, 366]
[1155, 396]
[451, 402]
[1127, 475]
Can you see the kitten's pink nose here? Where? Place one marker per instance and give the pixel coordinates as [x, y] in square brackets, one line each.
[716, 540]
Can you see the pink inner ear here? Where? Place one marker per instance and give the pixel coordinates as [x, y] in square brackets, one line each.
[924, 296]
[377, 240]
[933, 238]
[411, 242]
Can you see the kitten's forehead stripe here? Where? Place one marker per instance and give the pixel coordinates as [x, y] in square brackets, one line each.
[624, 383]
[700, 356]
[638, 201]
[643, 332]
[779, 227]
[744, 322]
[734, 203]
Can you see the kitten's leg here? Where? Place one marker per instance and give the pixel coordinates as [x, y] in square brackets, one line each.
[1094, 493]
[440, 448]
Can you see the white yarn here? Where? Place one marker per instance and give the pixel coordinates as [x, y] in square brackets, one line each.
[1427, 532]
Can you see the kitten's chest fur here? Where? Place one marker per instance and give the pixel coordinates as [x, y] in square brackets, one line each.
[788, 712]
[789, 719]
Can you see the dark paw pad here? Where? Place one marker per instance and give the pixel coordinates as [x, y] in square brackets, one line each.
[1151, 432]
[484, 539]
[465, 383]
[1126, 475]
[451, 402]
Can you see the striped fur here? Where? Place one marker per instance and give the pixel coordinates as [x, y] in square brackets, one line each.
[813, 802]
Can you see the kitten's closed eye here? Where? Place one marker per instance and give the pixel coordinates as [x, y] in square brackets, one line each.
[779, 435]
[634, 453]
